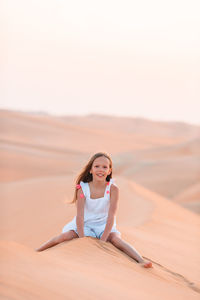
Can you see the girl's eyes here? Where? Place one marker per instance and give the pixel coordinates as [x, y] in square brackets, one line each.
[105, 167]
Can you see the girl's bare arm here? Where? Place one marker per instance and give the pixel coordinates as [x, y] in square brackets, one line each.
[80, 213]
[114, 199]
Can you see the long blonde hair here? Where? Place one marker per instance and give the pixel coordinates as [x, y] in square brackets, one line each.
[85, 174]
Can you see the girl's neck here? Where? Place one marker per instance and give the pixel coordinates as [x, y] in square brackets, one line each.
[97, 184]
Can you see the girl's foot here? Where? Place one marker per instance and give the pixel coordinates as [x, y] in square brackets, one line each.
[146, 264]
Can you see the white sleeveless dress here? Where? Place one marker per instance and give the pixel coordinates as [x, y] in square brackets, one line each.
[95, 213]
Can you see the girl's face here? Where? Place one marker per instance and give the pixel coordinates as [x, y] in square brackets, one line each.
[100, 168]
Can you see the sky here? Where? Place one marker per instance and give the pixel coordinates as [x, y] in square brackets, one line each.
[123, 58]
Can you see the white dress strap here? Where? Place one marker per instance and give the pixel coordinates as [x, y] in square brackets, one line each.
[109, 186]
[112, 181]
[84, 188]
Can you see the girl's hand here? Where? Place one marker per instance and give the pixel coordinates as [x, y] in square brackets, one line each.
[103, 239]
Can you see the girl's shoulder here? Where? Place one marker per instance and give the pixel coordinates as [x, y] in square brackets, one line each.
[82, 183]
[113, 186]
[85, 188]
[112, 182]
[114, 190]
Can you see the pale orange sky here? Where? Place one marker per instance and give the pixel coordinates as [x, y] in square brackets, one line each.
[130, 58]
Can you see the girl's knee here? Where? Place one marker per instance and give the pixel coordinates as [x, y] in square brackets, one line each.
[69, 235]
[115, 238]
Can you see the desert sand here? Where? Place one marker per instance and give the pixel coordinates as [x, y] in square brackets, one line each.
[157, 168]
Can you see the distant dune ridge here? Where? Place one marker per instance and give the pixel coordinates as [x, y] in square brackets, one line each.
[157, 168]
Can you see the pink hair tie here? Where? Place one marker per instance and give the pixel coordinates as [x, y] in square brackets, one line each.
[78, 186]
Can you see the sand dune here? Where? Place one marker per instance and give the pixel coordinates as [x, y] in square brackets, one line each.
[190, 198]
[38, 167]
[36, 209]
[139, 126]
[55, 133]
[21, 161]
[166, 170]
[116, 134]
[87, 269]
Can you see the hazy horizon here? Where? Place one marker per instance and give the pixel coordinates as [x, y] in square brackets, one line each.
[42, 112]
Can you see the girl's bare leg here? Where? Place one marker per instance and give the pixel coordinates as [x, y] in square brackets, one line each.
[130, 250]
[67, 236]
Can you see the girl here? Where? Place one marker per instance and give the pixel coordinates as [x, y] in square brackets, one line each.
[96, 197]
